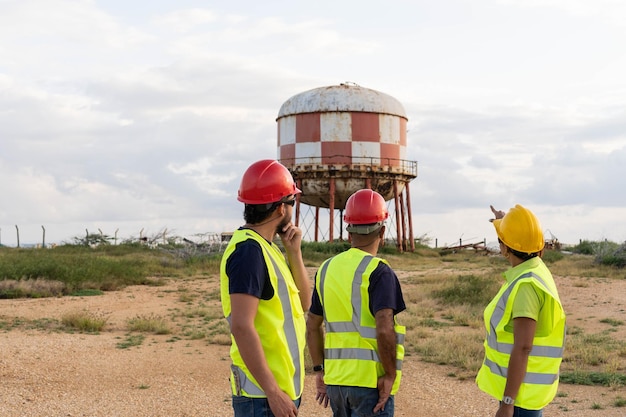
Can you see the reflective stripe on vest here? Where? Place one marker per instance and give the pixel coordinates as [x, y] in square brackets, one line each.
[242, 381]
[290, 328]
[537, 350]
[531, 377]
[355, 324]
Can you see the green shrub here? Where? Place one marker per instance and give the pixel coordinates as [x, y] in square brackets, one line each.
[551, 256]
[105, 268]
[327, 248]
[585, 247]
[605, 252]
[131, 340]
[468, 289]
[606, 379]
[616, 259]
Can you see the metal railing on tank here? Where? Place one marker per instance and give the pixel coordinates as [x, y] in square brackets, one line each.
[359, 163]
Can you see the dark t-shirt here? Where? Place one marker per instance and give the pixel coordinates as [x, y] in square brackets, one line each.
[384, 291]
[247, 271]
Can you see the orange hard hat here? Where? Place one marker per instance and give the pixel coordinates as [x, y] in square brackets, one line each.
[365, 207]
[266, 181]
[520, 230]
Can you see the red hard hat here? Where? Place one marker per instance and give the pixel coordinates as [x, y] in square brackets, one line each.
[266, 181]
[365, 207]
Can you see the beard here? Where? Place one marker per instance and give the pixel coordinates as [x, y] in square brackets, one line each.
[283, 222]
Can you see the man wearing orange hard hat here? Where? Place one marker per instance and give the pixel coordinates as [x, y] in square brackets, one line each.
[358, 359]
[525, 322]
[264, 296]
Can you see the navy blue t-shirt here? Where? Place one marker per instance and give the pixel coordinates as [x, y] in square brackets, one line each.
[384, 291]
[247, 271]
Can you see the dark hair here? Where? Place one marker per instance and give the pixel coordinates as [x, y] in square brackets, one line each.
[256, 213]
[522, 255]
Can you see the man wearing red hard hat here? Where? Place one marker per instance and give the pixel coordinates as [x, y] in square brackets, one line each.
[264, 296]
[358, 359]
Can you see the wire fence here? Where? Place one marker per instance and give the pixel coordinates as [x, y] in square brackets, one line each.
[198, 243]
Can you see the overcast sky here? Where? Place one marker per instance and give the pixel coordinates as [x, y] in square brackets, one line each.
[131, 115]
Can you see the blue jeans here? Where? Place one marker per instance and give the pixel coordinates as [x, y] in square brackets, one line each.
[254, 407]
[356, 402]
[522, 412]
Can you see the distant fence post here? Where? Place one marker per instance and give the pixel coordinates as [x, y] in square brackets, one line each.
[43, 239]
[18, 235]
[115, 239]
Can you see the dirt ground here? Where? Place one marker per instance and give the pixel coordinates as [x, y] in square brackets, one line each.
[56, 373]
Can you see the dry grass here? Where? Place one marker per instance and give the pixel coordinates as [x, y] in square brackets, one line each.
[150, 323]
[445, 297]
[33, 288]
[445, 300]
[85, 321]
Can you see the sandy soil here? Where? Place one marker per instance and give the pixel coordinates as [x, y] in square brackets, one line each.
[56, 373]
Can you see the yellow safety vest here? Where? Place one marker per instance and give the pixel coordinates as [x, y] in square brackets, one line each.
[542, 376]
[279, 322]
[350, 346]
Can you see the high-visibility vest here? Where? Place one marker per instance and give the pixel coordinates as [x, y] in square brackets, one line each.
[350, 346]
[542, 374]
[279, 321]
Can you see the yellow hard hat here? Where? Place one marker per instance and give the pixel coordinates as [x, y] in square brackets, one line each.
[520, 230]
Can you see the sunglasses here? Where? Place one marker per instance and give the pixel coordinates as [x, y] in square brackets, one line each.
[290, 202]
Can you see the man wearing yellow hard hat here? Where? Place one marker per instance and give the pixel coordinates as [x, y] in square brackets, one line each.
[524, 323]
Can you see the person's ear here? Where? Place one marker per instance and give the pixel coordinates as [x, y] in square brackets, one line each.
[381, 237]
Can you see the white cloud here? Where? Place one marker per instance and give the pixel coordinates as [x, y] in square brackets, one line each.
[608, 10]
[114, 115]
[186, 20]
[57, 38]
[199, 172]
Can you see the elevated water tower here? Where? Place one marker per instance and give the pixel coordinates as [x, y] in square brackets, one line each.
[336, 140]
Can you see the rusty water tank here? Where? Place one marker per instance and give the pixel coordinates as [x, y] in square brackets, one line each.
[355, 135]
